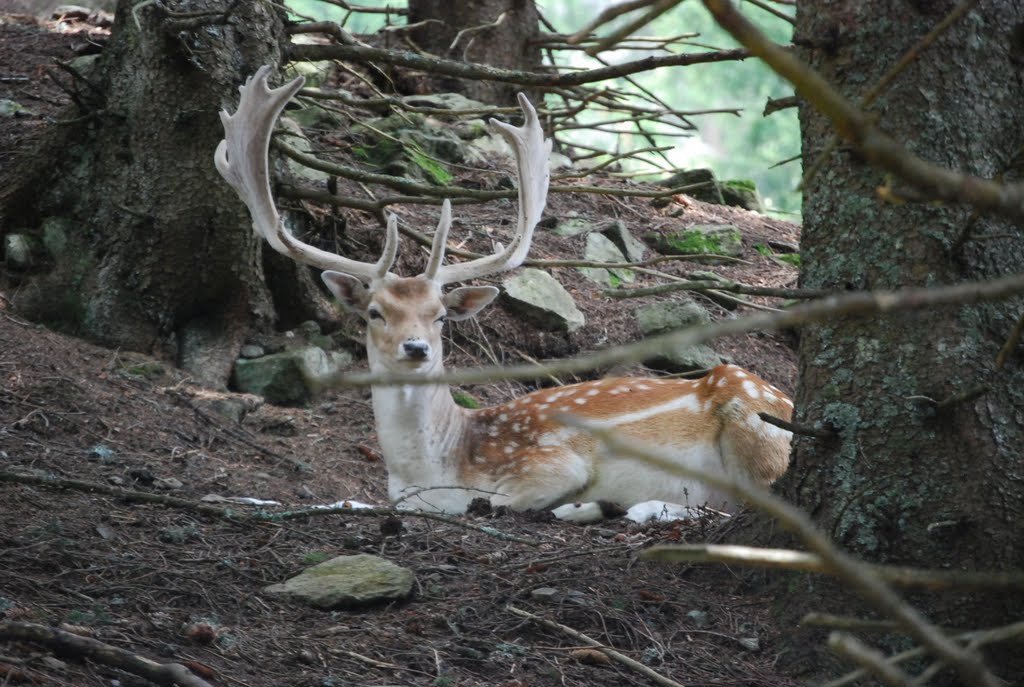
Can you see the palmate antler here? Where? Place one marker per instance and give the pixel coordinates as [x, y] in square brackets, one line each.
[242, 159]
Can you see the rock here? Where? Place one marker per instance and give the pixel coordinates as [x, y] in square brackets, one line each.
[684, 359]
[547, 594]
[715, 239]
[21, 252]
[55, 235]
[750, 643]
[288, 377]
[294, 137]
[602, 249]
[10, 108]
[741, 193]
[696, 183]
[671, 315]
[85, 64]
[661, 318]
[630, 246]
[316, 73]
[487, 147]
[250, 351]
[572, 226]
[443, 101]
[346, 582]
[470, 129]
[541, 299]
[699, 618]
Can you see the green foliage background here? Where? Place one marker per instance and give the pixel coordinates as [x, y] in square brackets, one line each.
[744, 147]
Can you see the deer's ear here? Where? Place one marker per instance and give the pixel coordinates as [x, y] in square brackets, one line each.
[348, 290]
[467, 301]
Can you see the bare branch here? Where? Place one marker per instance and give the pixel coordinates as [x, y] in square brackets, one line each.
[852, 124]
[593, 643]
[723, 285]
[849, 304]
[797, 428]
[300, 52]
[788, 559]
[63, 642]
[873, 661]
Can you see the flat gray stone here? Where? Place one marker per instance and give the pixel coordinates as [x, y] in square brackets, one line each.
[540, 298]
[288, 377]
[671, 315]
[347, 582]
[685, 359]
[600, 248]
[616, 230]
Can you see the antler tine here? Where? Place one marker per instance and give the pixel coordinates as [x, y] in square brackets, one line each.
[439, 244]
[387, 256]
[532, 151]
[242, 159]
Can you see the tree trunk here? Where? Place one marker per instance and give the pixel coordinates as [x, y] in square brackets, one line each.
[159, 252]
[910, 482]
[511, 44]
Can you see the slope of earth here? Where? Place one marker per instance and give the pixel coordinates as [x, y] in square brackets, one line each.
[106, 457]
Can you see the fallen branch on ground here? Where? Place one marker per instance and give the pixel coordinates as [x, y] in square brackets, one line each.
[66, 643]
[593, 643]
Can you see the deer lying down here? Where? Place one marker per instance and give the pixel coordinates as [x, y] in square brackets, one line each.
[439, 455]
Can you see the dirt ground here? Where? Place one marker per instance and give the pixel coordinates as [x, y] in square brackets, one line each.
[106, 533]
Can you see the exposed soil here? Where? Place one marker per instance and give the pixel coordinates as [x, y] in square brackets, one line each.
[150, 577]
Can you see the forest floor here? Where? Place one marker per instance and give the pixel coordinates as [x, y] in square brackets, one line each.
[95, 433]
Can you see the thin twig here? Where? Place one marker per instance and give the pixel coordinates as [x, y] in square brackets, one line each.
[235, 515]
[788, 559]
[717, 285]
[873, 661]
[593, 643]
[848, 304]
[797, 428]
[313, 53]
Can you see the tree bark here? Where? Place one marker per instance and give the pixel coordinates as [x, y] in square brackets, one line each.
[159, 252]
[509, 44]
[912, 482]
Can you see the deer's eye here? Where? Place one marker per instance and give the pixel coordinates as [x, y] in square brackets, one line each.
[441, 318]
[374, 314]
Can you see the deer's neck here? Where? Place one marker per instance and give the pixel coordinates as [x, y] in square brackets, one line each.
[422, 434]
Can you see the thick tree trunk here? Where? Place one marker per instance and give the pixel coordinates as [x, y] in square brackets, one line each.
[159, 252]
[509, 44]
[910, 483]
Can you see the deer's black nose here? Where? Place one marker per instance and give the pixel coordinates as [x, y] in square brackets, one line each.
[417, 350]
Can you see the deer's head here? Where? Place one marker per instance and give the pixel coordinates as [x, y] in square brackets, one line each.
[404, 315]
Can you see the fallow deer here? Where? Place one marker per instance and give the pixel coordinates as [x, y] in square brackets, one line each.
[439, 455]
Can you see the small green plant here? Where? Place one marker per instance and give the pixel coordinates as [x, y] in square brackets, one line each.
[465, 400]
[791, 258]
[433, 169]
[444, 681]
[764, 250]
